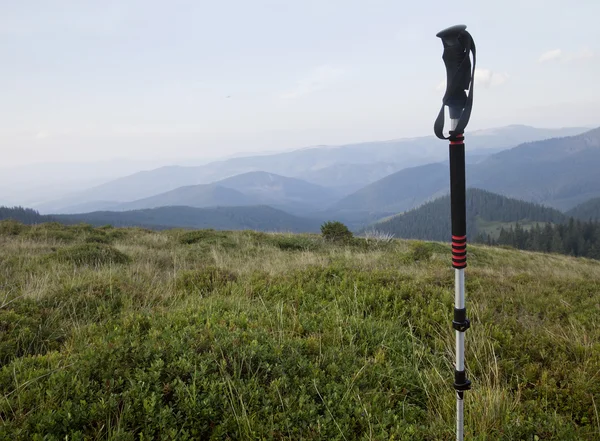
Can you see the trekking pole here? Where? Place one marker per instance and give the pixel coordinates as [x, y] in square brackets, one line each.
[458, 45]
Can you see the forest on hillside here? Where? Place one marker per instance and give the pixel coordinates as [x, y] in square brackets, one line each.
[26, 216]
[431, 221]
[575, 238]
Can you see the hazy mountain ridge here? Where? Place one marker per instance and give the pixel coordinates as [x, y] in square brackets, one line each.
[253, 188]
[397, 192]
[270, 188]
[559, 172]
[346, 178]
[304, 164]
[198, 196]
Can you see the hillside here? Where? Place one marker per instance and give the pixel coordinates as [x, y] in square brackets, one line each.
[271, 189]
[431, 221]
[589, 210]
[131, 334]
[199, 196]
[261, 218]
[558, 172]
[303, 164]
[398, 192]
[346, 178]
[253, 188]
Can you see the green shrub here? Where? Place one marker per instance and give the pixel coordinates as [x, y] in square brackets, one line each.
[420, 251]
[203, 280]
[117, 234]
[255, 236]
[90, 254]
[87, 300]
[360, 243]
[53, 231]
[27, 328]
[11, 228]
[336, 232]
[208, 236]
[293, 243]
[97, 238]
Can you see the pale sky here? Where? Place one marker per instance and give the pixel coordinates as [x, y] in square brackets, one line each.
[94, 80]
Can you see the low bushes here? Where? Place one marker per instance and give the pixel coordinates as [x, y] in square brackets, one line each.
[90, 254]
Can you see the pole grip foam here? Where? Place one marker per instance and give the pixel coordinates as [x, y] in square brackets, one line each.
[458, 206]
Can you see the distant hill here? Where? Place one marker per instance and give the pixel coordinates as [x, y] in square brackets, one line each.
[305, 164]
[398, 192]
[272, 189]
[560, 172]
[253, 188]
[261, 218]
[347, 178]
[432, 220]
[589, 210]
[198, 196]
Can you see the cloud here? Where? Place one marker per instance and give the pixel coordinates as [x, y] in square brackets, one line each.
[483, 78]
[487, 78]
[567, 57]
[317, 79]
[553, 54]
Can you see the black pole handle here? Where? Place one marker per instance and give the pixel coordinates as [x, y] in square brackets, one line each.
[458, 45]
[458, 203]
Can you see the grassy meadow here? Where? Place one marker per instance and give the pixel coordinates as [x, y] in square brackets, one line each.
[130, 334]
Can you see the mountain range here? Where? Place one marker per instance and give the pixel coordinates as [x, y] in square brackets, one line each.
[252, 188]
[558, 172]
[341, 169]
